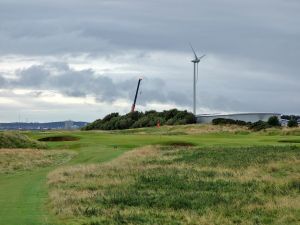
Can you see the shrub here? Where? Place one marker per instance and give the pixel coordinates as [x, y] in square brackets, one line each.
[259, 125]
[110, 116]
[274, 121]
[222, 121]
[292, 123]
[289, 117]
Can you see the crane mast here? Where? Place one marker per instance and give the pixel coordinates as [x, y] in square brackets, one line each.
[136, 94]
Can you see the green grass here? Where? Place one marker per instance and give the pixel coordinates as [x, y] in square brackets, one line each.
[255, 185]
[25, 194]
[23, 197]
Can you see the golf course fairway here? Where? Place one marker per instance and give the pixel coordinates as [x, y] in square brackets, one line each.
[24, 194]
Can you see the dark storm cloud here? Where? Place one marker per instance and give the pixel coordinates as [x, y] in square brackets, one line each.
[259, 30]
[265, 32]
[61, 78]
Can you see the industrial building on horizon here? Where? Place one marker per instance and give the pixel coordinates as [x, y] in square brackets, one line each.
[247, 117]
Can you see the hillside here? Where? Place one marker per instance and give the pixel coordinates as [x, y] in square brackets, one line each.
[18, 140]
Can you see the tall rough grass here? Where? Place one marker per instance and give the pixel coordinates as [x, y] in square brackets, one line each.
[15, 160]
[188, 129]
[182, 185]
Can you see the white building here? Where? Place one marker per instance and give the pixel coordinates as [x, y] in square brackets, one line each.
[247, 117]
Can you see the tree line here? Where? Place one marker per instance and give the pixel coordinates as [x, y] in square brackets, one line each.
[115, 121]
[273, 121]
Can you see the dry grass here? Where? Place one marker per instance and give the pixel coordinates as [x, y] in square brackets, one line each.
[171, 185]
[189, 129]
[13, 160]
[208, 128]
[291, 131]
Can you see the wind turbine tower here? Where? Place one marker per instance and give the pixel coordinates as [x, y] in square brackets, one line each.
[196, 61]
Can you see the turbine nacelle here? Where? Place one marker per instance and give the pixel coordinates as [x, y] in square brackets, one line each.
[197, 59]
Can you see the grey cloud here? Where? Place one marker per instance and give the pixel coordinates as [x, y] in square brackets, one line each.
[264, 34]
[2, 81]
[34, 76]
[260, 31]
[61, 78]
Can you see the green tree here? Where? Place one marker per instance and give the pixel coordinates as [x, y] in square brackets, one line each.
[292, 123]
[274, 121]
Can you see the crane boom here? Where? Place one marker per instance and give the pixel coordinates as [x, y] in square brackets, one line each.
[136, 94]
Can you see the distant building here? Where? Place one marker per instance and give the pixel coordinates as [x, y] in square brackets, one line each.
[247, 117]
[69, 124]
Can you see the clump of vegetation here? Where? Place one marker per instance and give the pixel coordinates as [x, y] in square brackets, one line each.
[292, 123]
[259, 125]
[223, 121]
[290, 117]
[18, 140]
[273, 121]
[114, 121]
[15, 160]
[182, 185]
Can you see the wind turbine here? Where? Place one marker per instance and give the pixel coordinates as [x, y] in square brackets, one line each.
[196, 62]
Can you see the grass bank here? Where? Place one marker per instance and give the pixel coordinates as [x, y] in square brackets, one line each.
[18, 140]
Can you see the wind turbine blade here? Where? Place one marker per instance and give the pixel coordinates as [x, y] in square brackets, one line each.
[196, 57]
[202, 57]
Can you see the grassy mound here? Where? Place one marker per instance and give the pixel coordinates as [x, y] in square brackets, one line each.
[183, 185]
[17, 140]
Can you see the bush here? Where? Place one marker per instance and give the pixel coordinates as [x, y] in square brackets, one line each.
[223, 121]
[290, 117]
[293, 123]
[114, 121]
[110, 116]
[259, 125]
[274, 121]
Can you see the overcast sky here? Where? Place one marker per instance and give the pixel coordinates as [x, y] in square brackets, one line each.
[80, 60]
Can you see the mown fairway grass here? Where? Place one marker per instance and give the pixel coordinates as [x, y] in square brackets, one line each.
[24, 199]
